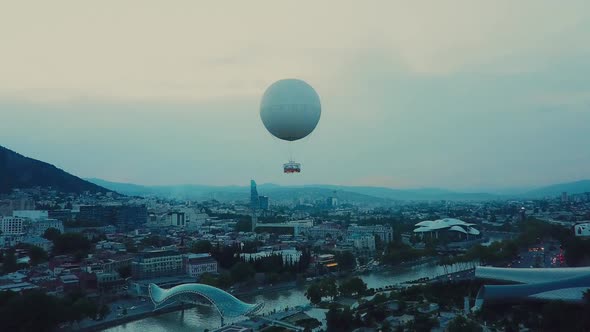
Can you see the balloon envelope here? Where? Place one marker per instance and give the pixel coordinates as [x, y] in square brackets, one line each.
[290, 109]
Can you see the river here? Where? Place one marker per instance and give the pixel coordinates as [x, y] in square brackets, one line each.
[202, 317]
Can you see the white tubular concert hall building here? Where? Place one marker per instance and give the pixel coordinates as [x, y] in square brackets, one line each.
[543, 284]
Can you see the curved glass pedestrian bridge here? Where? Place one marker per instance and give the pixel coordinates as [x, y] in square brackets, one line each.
[226, 304]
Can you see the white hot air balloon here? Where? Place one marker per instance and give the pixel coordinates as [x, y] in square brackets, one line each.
[290, 110]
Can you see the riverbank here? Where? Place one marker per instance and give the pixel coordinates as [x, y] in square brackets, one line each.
[276, 297]
[94, 326]
[145, 310]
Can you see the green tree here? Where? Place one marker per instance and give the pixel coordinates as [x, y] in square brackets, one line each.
[208, 279]
[462, 324]
[201, 246]
[422, 323]
[37, 255]
[346, 260]
[314, 293]
[244, 225]
[220, 281]
[83, 307]
[560, 316]
[379, 298]
[339, 320]
[9, 262]
[104, 311]
[130, 245]
[156, 241]
[329, 288]
[242, 271]
[70, 243]
[386, 326]
[36, 311]
[250, 247]
[51, 234]
[320, 289]
[124, 271]
[30, 311]
[353, 286]
[378, 243]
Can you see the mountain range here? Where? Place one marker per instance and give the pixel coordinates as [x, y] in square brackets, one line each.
[17, 171]
[345, 193]
[20, 172]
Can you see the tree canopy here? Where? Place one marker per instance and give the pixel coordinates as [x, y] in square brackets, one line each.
[462, 324]
[353, 286]
[71, 243]
[346, 260]
[242, 271]
[320, 289]
[36, 311]
[37, 255]
[51, 234]
[201, 246]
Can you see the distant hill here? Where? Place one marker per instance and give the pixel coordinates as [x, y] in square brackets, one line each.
[224, 193]
[576, 187]
[413, 194]
[235, 193]
[344, 193]
[20, 172]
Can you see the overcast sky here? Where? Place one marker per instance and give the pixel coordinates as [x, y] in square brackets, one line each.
[456, 94]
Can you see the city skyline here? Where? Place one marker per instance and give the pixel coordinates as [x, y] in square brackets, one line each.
[460, 95]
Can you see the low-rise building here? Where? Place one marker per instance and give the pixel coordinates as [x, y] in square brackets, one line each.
[109, 282]
[324, 230]
[156, 263]
[38, 241]
[12, 225]
[31, 214]
[117, 262]
[289, 255]
[385, 233]
[197, 264]
[17, 287]
[363, 242]
[70, 282]
[39, 226]
[326, 261]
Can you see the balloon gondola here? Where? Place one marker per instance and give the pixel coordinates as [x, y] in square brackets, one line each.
[291, 167]
[290, 110]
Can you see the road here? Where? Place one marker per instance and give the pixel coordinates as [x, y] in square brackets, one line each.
[545, 255]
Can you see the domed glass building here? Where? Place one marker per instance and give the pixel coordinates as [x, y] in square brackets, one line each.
[447, 228]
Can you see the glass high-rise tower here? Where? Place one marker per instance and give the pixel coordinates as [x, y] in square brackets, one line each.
[254, 203]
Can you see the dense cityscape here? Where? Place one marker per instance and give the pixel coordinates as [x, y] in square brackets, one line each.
[95, 255]
[295, 166]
